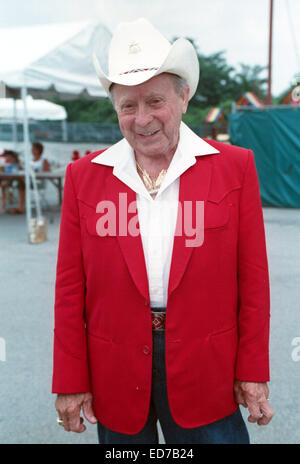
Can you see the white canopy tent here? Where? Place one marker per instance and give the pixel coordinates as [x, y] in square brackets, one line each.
[65, 70]
[12, 112]
[40, 110]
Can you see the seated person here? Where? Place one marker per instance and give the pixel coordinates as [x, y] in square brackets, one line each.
[12, 165]
[39, 164]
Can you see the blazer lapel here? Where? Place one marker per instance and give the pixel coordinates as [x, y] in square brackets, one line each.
[194, 185]
[124, 199]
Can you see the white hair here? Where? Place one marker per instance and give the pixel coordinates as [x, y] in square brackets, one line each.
[180, 84]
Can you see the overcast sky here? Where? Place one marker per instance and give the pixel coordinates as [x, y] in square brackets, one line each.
[238, 26]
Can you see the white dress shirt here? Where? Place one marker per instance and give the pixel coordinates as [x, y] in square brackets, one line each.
[157, 216]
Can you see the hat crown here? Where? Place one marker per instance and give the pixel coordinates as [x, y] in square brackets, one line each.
[138, 52]
[136, 45]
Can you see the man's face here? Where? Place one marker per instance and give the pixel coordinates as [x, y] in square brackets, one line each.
[150, 114]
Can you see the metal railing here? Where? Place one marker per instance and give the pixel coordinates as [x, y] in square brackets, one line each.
[72, 132]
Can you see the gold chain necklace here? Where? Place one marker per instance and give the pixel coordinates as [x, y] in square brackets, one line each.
[152, 185]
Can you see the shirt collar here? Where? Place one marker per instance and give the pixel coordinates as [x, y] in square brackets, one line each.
[121, 157]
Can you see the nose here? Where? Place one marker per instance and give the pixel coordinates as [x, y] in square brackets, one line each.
[143, 116]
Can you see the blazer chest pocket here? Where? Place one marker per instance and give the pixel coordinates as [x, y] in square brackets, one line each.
[100, 225]
[216, 215]
[217, 210]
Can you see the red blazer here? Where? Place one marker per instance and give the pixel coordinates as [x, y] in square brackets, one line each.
[217, 324]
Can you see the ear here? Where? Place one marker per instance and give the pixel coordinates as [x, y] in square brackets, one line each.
[185, 99]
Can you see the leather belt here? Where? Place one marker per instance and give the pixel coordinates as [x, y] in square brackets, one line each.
[158, 318]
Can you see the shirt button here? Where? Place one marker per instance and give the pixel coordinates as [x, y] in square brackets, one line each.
[146, 350]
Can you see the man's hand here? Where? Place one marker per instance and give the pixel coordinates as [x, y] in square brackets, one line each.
[69, 407]
[254, 396]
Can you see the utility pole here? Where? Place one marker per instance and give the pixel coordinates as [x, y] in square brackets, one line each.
[269, 97]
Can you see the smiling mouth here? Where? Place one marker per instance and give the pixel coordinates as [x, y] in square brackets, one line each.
[149, 134]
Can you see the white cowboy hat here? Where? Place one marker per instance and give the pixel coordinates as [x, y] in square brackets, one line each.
[138, 52]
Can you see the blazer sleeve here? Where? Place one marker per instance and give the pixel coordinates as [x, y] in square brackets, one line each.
[253, 284]
[70, 365]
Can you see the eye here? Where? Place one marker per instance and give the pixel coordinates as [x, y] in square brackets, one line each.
[127, 107]
[155, 101]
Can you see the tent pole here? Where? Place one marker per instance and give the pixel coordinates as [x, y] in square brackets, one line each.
[64, 130]
[26, 158]
[14, 127]
[269, 96]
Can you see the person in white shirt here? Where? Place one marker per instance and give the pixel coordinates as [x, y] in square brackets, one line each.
[38, 163]
[150, 323]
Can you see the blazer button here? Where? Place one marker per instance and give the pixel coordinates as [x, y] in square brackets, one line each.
[146, 350]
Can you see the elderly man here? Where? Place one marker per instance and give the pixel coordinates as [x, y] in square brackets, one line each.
[162, 290]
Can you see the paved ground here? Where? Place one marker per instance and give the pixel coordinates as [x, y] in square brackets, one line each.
[27, 273]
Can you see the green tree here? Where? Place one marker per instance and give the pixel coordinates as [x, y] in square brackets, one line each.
[216, 83]
[249, 79]
[83, 110]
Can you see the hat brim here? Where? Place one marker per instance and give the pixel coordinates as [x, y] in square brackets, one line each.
[181, 60]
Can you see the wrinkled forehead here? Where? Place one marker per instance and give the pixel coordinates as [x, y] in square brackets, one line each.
[161, 84]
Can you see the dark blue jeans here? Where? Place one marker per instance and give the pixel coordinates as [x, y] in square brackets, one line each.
[230, 430]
